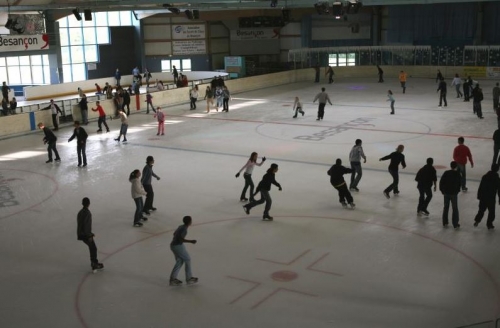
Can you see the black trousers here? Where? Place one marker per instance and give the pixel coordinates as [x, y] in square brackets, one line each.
[477, 109]
[344, 194]
[54, 121]
[81, 151]
[321, 110]
[248, 183]
[225, 104]
[128, 108]
[466, 93]
[330, 78]
[52, 148]
[425, 198]
[102, 120]
[92, 249]
[395, 182]
[380, 78]
[148, 204]
[483, 206]
[495, 103]
[403, 85]
[193, 102]
[442, 97]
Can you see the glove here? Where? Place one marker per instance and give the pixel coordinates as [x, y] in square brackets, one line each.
[280, 189]
[237, 175]
[264, 158]
[158, 178]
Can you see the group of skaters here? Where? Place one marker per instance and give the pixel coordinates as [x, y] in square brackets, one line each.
[220, 94]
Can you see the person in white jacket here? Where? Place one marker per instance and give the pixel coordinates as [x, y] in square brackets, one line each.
[137, 193]
[457, 81]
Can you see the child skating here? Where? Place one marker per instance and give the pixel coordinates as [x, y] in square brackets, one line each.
[181, 255]
[161, 121]
[297, 107]
[391, 99]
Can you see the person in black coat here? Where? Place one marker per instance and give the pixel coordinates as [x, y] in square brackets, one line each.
[380, 74]
[51, 140]
[467, 86]
[449, 185]
[426, 177]
[84, 233]
[264, 187]
[81, 143]
[84, 108]
[442, 89]
[126, 101]
[396, 158]
[487, 193]
[336, 173]
[496, 146]
[477, 97]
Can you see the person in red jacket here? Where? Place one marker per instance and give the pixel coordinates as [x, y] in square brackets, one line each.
[460, 155]
[102, 116]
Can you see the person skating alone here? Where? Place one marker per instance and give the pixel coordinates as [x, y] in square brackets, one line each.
[85, 234]
[355, 158]
[486, 194]
[297, 107]
[102, 117]
[449, 185]
[336, 173]
[457, 81]
[439, 76]
[137, 193]
[248, 167]
[460, 155]
[264, 187]
[180, 253]
[149, 102]
[147, 175]
[496, 146]
[193, 96]
[322, 98]
[402, 79]
[226, 96]
[396, 158]
[477, 97]
[160, 117]
[123, 127]
[442, 89]
[55, 110]
[329, 72]
[81, 143]
[390, 98]
[50, 139]
[426, 177]
[380, 74]
[496, 96]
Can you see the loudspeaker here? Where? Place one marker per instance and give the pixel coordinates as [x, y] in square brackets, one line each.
[196, 14]
[189, 14]
[77, 14]
[88, 14]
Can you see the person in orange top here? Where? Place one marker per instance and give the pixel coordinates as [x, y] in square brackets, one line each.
[402, 79]
[460, 155]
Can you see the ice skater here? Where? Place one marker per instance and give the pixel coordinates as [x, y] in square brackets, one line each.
[426, 177]
[161, 121]
[147, 175]
[85, 234]
[390, 98]
[460, 155]
[209, 97]
[380, 74]
[137, 193]
[442, 89]
[477, 97]
[496, 96]
[193, 96]
[50, 139]
[449, 185]
[355, 158]
[149, 102]
[248, 167]
[226, 96]
[81, 143]
[123, 127]
[396, 158]
[402, 79]
[486, 194]
[297, 107]
[264, 187]
[55, 110]
[496, 146]
[102, 117]
[330, 73]
[181, 255]
[457, 81]
[336, 173]
[322, 98]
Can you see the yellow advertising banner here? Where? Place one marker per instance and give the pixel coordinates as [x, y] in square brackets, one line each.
[474, 71]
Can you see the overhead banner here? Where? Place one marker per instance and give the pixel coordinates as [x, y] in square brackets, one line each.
[24, 42]
[191, 47]
[180, 32]
[474, 71]
[255, 34]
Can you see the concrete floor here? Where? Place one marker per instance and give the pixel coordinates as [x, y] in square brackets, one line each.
[379, 265]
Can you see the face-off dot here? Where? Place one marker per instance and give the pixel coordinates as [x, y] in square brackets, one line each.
[284, 276]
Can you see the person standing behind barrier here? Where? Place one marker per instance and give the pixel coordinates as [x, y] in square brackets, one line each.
[209, 96]
[51, 140]
[396, 158]
[84, 109]
[496, 96]
[137, 192]
[442, 89]
[147, 175]
[322, 98]
[248, 167]
[264, 187]
[297, 107]
[81, 143]
[330, 73]
[486, 194]
[118, 77]
[85, 234]
[477, 97]
[175, 74]
[496, 146]
[460, 155]
[457, 81]
[161, 121]
[402, 79]
[355, 158]
[425, 178]
[55, 110]
[380, 74]
[336, 173]
[180, 253]
[5, 91]
[226, 96]
[13, 105]
[449, 185]
[123, 127]
[390, 98]
[102, 117]
[193, 96]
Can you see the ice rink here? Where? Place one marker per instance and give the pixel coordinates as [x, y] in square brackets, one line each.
[316, 265]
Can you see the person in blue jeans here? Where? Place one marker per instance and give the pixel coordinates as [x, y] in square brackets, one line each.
[355, 158]
[396, 158]
[181, 255]
[449, 185]
[264, 187]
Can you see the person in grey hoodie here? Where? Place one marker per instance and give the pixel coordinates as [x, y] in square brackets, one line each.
[355, 158]
[322, 98]
[147, 174]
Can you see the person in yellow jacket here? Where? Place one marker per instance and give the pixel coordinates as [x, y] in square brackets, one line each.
[402, 79]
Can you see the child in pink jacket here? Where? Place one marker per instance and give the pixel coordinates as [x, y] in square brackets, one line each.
[161, 121]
